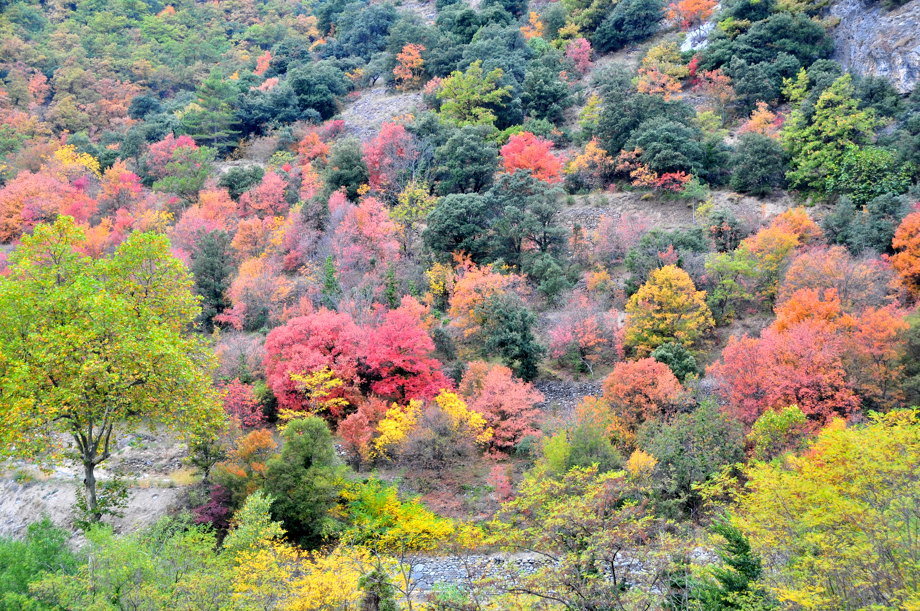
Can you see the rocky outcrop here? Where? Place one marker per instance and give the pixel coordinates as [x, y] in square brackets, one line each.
[870, 40]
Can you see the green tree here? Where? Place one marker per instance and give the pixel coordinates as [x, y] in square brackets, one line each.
[467, 162]
[759, 165]
[44, 550]
[679, 360]
[733, 584]
[629, 21]
[508, 335]
[466, 96]
[187, 172]
[545, 95]
[93, 349]
[868, 228]
[346, 168]
[305, 481]
[212, 267]
[817, 145]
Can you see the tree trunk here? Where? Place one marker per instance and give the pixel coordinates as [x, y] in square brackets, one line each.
[89, 481]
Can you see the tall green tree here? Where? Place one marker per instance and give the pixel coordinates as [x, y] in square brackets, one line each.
[90, 349]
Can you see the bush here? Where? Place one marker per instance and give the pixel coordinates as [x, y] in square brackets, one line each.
[759, 165]
[866, 229]
[679, 360]
[44, 549]
[467, 162]
[305, 480]
[630, 21]
[346, 168]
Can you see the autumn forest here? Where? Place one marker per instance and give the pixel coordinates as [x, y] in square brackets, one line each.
[456, 305]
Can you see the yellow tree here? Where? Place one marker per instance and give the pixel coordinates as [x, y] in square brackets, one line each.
[667, 308]
[837, 526]
[92, 349]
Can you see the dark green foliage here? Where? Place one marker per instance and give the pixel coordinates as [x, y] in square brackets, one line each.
[187, 173]
[379, 593]
[679, 360]
[630, 21]
[238, 180]
[545, 95]
[460, 21]
[515, 7]
[553, 18]
[318, 87]
[346, 168]
[877, 93]
[551, 279]
[760, 82]
[734, 583]
[212, 267]
[724, 230]
[866, 229]
[459, 223]
[305, 480]
[747, 10]
[44, 550]
[625, 111]
[258, 111]
[362, 32]
[689, 449]
[795, 35]
[508, 335]
[759, 165]
[466, 163]
[668, 146]
[144, 105]
[526, 210]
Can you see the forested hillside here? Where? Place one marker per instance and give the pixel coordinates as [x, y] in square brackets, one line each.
[339, 304]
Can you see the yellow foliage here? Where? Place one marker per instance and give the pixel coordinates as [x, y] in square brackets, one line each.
[318, 387]
[279, 576]
[666, 58]
[396, 425]
[71, 159]
[534, 27]
[641, 464]
[462, 417]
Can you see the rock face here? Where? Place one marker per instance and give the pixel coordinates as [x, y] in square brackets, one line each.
[870, 40]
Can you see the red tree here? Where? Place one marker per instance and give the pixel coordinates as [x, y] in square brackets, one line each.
[30, 199]
[389, 154]
[509, 405]
[579, 51]
[323, 339]
[800, 366]
[240, 403]
[524, 151]
[161, 153]
[398, 357]
[267, 198]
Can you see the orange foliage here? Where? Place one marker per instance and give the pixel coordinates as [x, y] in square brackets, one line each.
[690, 13]
[655, 82]
[475, 286]
[762, 121]
[262, 63]
[534, 27]
[408, 70]
[525, 151]
[906, 260]
[643, 390]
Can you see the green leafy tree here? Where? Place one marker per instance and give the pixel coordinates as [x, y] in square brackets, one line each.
[346, 168]
[187, 172]
[508, 335]
[630, 21]
[545, 95]
[679, 360]
[44, 550]
[212, 267]
[467, 96]
[305, 481]
[467, 162]
[733, 584]
[759, 165]
[93, 349]
[868, 228]
[818, 145]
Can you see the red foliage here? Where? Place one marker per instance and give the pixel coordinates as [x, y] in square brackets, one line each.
[643, 390]
[267, 198]
[359, 427]
[387, 155]
[859, 283]
[525, 151]
[509, 405]
[323, 339]
[160, 153]
[579, 51]
[30, 199]
[240, 403]
[587, 334]
[802, 366]
[398, 355]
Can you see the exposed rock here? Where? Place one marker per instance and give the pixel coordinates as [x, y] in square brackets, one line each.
[872, 41]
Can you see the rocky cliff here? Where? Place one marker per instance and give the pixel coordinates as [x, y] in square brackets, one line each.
[873, 41]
